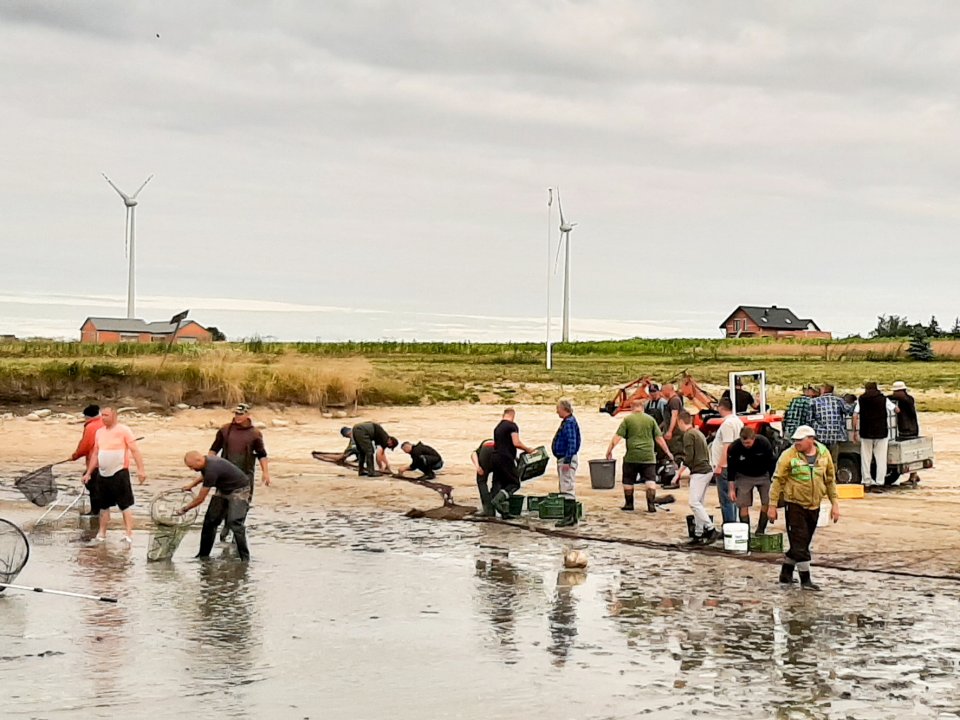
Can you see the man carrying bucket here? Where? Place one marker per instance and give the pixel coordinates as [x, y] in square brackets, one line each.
[805, 474]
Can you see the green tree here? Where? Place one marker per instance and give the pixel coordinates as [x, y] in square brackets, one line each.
[933, 329]
[920, 348]
[955, 330]
[218, 336]
[891, 326]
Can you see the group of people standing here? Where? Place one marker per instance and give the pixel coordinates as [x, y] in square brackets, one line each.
[108, 446]
[865, 420]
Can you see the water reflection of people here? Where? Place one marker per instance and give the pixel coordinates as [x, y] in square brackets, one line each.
[499, 596]
[563, 614]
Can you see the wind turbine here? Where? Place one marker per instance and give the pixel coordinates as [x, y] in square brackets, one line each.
[130, 202]
[565, 229]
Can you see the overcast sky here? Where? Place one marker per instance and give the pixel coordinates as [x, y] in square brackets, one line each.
[370, 169]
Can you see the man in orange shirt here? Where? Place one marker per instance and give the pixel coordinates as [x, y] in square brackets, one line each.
[88, 441]
[114, 446]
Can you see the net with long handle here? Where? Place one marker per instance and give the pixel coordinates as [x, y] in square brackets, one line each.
[38, 486]
[14, 551]
[169, 526]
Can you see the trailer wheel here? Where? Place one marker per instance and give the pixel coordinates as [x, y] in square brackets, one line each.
[848, 470]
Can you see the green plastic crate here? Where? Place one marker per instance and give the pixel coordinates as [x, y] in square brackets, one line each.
[772, 543]
[533, 502]
[516, 504]
[551, 508]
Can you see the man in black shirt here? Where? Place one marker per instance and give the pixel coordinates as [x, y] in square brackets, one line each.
[907, 424]
[423, 458]
[750, 464]
[506, 442]
[482, 459]
[371, 440]
[230, 503]
[745, 401]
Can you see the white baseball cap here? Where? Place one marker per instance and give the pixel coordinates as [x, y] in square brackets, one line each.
[899, 385]
[803, 432]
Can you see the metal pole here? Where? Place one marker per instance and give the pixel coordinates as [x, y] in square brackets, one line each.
[566, 291]
[549, 255]
[98, 598]
[131, 282]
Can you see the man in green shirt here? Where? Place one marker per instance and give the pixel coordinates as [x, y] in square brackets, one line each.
[641, 434]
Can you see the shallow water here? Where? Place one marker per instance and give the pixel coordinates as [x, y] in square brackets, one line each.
[369, 616]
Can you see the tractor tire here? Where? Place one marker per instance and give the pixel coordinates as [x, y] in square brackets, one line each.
[848, 470]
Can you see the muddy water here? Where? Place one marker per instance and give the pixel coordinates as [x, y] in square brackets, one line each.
[361, 616]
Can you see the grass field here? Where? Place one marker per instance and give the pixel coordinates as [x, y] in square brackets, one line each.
[340, 374]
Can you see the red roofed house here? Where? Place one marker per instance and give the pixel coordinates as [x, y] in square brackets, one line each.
[123, 330]
[750, 321]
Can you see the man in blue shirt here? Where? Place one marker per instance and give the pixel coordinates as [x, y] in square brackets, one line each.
[566, 446]
[830, 413]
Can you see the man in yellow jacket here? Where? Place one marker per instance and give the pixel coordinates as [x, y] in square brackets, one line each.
[805, 475]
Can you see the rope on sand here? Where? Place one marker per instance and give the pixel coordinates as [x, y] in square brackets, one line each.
[768, 559]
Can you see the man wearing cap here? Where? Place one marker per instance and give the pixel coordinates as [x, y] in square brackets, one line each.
[88, 441]
[423, 458]
[656, 405]
[871, 429]
[805, 475]
[371, 441]
[799, 411]
[242, 444]
[907, 424]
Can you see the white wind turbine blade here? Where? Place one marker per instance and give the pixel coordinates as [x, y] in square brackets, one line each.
[559, 205]
[126, 234]
[142, 186]
[119, 191]
[564, 237]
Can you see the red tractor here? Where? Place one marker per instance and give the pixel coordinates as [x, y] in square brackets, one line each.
[707, 418]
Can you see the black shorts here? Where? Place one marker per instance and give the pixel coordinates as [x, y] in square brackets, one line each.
[116, 491]
[93, 490]
[636, 473]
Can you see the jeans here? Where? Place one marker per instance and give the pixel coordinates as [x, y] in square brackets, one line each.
[231, 509]
[699, 483]
[873, 449]
[728, 509]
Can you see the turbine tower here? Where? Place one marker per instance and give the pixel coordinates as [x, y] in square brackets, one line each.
[565, 229]
[130, 202]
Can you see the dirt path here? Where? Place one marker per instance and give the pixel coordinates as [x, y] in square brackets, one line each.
[915, 530]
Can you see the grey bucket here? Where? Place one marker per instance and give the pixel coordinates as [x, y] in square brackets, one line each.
[603, 474]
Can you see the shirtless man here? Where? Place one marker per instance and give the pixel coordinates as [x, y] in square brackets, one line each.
[114, 445]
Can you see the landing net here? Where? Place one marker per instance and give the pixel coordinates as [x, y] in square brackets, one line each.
[14, 551]
[169, 527]
[39, 486]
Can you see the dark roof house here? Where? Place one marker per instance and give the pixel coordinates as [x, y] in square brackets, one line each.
[758, 321]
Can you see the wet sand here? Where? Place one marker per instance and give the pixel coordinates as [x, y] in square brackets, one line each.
[910, 530]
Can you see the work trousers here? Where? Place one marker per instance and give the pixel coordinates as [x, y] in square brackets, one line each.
[232, 510]
[427, 464]
[801, 525]
[728, 508]
[504, 475]
[699, 482]
[567, 476]
[366, 452]
[871, 449]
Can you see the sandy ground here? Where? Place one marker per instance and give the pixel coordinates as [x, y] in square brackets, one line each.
[910, 530]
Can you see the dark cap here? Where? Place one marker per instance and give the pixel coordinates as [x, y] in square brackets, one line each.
[91, 411]
[345, 431]
[241, 409]
[653, 387]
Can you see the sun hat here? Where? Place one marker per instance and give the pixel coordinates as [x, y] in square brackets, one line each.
[803, 432]
[899, 385]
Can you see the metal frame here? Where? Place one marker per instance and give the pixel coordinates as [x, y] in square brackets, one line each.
[761, 374]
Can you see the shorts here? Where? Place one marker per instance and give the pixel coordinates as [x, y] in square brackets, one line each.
[116, 491]
[635, 473]
[745, 486]
[93, 490]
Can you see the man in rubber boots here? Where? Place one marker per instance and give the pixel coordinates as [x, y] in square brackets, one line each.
[696, 456]
[423, 458]
[750, 463]
[506, 442]
[371, 441]
[566, 446]
[642, 435]
[88, 441]
[229, 505]
[805, 475]
[482, 459]
[242, 444]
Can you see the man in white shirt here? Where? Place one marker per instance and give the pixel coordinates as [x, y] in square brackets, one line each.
[727, 433]
[872, 428]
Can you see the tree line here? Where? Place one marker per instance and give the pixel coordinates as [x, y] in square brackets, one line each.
[898, 326]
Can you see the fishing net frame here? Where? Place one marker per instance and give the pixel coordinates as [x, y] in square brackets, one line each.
[14, 551]
[39, 486]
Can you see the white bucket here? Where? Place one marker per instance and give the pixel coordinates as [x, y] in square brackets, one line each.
[736, 537]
